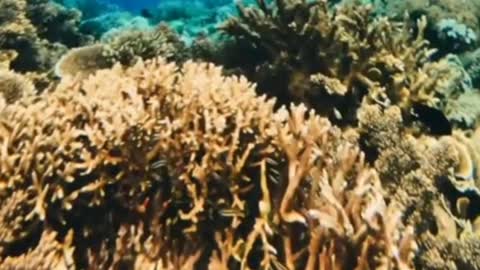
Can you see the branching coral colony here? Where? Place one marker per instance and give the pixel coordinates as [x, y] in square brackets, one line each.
[159, 166]
[152, 164]
[331, 60]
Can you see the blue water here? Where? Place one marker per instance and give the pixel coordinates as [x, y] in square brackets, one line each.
[187, 17]
[135, 5]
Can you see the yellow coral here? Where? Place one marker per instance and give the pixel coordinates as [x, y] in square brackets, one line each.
[6, 57]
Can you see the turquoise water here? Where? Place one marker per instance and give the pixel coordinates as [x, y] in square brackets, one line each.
[188, 17]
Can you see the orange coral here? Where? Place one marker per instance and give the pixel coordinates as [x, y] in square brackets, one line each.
[181, 157]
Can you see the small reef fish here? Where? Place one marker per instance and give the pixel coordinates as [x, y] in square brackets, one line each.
[433, 118]
[146, 13]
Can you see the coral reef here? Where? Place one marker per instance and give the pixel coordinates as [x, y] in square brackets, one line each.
[14, 86]
[455, 245]
[471, 62]
[170, 159]
[48, 254]
[410, 167]
[39, 31]
[129, 46]
[126, 47]
[333, 60]
[457, 35]
[416, 173]
[200, 18]
[296, 134]
[462, 14]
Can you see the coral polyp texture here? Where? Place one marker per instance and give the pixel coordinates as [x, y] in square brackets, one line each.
[284, 134]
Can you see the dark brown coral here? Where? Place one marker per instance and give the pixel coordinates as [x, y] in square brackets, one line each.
[331, 60]
[39, 31]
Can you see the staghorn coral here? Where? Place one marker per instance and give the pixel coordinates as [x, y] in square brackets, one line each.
[157, 165]
[130, 253]
[19, 222]
[6, 57]
[48, 254]
[329, 207]
[331, 60]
